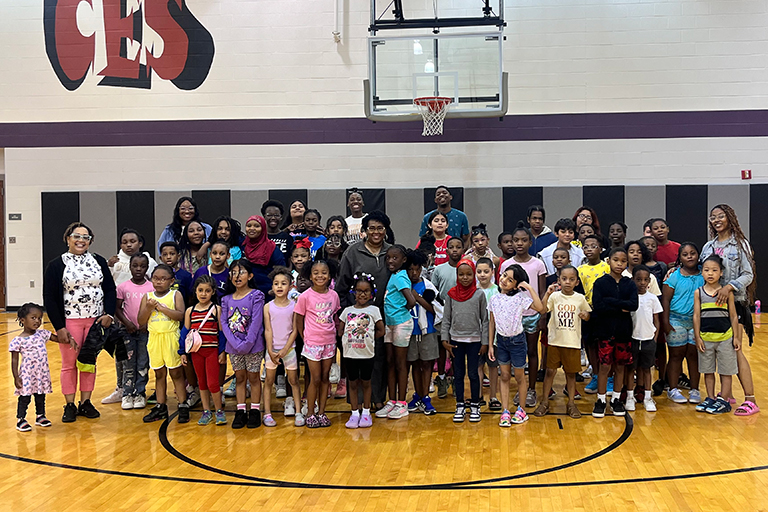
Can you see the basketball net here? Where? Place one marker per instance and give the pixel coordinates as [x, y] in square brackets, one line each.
[433, 110]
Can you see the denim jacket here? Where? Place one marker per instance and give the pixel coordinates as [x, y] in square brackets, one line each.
[738, 267]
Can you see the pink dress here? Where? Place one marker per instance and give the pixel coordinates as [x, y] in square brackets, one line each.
[34, 371]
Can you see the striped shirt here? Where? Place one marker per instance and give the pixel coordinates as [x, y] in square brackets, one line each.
[209, 332]
[715, 319]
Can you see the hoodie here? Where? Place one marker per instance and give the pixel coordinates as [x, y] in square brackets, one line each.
[121, 271]
[545, 239]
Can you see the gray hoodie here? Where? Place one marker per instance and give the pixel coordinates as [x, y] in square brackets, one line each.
[465, 319]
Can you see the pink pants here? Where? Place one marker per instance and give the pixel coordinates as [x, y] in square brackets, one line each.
[78, 328]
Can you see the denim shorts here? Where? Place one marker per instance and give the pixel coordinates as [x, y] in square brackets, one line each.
[512, 350]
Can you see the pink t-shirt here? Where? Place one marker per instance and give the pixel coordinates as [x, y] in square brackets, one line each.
[534, 267]
[131, 294]
[318, 310]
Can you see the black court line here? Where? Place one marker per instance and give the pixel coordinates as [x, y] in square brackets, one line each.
[560, 423]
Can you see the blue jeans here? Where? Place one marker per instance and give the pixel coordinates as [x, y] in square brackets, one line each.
[136, 367]
[470, 351]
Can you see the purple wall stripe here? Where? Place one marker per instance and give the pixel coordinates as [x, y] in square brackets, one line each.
[628, 125]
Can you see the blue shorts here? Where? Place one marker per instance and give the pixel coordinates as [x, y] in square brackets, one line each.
[683, 331]
[531, 323]
[512, 350]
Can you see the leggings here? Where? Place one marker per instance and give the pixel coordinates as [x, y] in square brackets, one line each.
[206, 363]
[21, 410]
[472, 353]
[78, 328]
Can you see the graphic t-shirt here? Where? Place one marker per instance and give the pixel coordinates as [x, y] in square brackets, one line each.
[394, 300]
[588, 274]
[564, 323]
[358, 340]
[284, 242]
[131, 293]
[415, 311]
[354, 229]
[317, 242]
[508, 312]
[221, 279]
[318, 310]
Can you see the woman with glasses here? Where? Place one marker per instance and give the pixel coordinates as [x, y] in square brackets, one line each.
[184, 212]
[78, 290]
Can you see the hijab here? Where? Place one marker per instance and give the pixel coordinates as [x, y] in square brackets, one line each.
[259, 250]
[461, 293]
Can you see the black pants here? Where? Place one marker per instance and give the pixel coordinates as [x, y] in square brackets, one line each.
[24, 400]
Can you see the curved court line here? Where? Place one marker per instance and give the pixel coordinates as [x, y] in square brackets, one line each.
[163, 435]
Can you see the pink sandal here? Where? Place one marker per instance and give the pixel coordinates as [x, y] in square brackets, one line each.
[748, 408]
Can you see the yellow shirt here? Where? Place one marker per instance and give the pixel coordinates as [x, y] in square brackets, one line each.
[159, 322]
[588, 274]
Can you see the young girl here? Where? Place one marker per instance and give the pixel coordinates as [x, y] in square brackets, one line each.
[261, 252]
[398, 301]
[438, 227]
[294, 221]
[465, 336]
[191, 242]
[333, 248]
[312, 219]
[336, 225]
[227, 229]
[479, 249]
[617, 233]
[242, 312]
[585, 230]
[136, 368]
[360, 325]
[218, 269]
[161, 311]
[667, 250]
[718, 337]
[280, 337]
[484, 271]
[204, 317]
[299, 258]
[34, 377]
[678, 300]
[355, 205]
[315, 321]
[657, 268]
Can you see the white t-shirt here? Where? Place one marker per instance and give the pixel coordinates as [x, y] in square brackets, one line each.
[358, 340]
[508, 312]
[653, 287]
[545, 255]
[647, 305]
[564, 328]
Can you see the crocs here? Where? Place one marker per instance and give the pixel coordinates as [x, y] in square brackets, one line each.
[748, 408]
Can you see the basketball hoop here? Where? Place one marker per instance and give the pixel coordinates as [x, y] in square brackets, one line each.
[433, 110]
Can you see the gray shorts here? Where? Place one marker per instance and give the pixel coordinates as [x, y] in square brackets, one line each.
[424, 347]
[718, 357]
[250, 362]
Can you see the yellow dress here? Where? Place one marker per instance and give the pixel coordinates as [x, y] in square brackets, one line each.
[163, 343]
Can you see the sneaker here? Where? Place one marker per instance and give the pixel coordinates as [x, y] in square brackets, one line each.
[42, 421]
[269, 421]
[87, 409]
[540, 375]
[649, 404]
[676, 396]
[254, 418]
[432, 385]
[618, 407]
[353, 422]
[584, 361]
[341, 389]
[506, 419]
[127, 403]
[289, 408]
[658, 387]
[280, 387]
[230, 391]
[139, 401]
[299, 420]
[365, 420]
[474, 413]
[683, 382]
[221, 418]
[579, 377]
[486, 382]
[458, 416]
[70, 413]
[577, 396]
[183, 413]
[429, 409]
[591, 388]
[335, 374]
[241, 418]
[384, 411]
[721, 406]
[520, 416]
[599, 409]
[151, 399]
[158, 412]
[263, 375]
[304, 407]
[415, 404]
[552, 394]
[530, 398]
[206, 418]
[115, 397]
[400, 410]
[494, 404]
[629, 404]
[23, 426]
[609, 387]
[442, 387]
[324, 420]
[694, 396]
[516, 399]
[706, 404]
[542, 409]
[193, 398]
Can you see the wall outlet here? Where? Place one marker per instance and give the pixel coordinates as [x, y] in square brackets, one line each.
[11, 239]
[32, 284]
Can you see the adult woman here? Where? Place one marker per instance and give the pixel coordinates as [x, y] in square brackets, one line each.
[369, 257]
[294, 221]
[586, 215]
[355, 204]
[184, 212]
[262, 252]
[78, 289]
[728, 241]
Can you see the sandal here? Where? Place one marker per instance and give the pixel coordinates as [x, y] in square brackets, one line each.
[542, 409]
[494, 404]
[573, 411]
[748, 408]
[505, 420]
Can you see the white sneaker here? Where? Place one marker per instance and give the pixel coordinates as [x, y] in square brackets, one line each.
[432, 385]
[694, 396]
[139, 402]
[583, 357]
[280, 387]
[676, 396]
[193, 397]
[335, 374]
[384, 411]
[230, 391]
[289, 407]
[127, 402]
[114, 398]
[399, 411]
[649, 404]
[299, 421]
[304, 408]
[630, 403]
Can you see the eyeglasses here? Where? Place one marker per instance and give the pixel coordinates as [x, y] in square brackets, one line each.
[78, 237]
[185, 209]
[333, 243]
[160, 278]
[241, 272]
[376, 229]
[272, 216]
[713, 218]
[584, 216]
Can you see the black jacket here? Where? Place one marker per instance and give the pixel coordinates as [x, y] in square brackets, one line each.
[111, 339]
[53, 290]
[610, 303]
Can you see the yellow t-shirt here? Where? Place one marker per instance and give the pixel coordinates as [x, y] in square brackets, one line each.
[588, 274]
[159, 322]
[564, 322]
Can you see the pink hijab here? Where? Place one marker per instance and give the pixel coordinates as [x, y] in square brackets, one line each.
[259, 250]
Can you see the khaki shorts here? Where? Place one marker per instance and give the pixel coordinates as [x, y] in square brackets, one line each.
[568, 358]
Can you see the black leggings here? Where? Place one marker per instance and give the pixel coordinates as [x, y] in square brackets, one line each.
[470, 351]
[24, 400]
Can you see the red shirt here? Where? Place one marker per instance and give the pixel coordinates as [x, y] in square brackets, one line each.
[668, 253]
[441, 247]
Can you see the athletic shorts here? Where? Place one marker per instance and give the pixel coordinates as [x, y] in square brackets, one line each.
[423, 347]
[644, 353]
[568, 358]
[163, 349]
[718, 357]
[358, 369]
[399, 335]
[319, 352]
[531, 323]
[511, 350]
[683, 331]
[613, 351]
[289, 361]
[249, 362]
[491, 364]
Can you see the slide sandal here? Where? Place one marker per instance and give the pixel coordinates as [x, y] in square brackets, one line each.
[748, 408]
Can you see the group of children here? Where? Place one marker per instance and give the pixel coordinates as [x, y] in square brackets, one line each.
[234, 294]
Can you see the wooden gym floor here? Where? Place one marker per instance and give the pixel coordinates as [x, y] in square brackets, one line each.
[674, 459]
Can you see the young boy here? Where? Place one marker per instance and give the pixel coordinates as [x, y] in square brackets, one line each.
[645, 332]
[273, 212]
[567, 309]
[423, 348]
[444, 278]
[564, 230]
[614, 297]
[507, 249]
[560, 258]
[589, 272]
